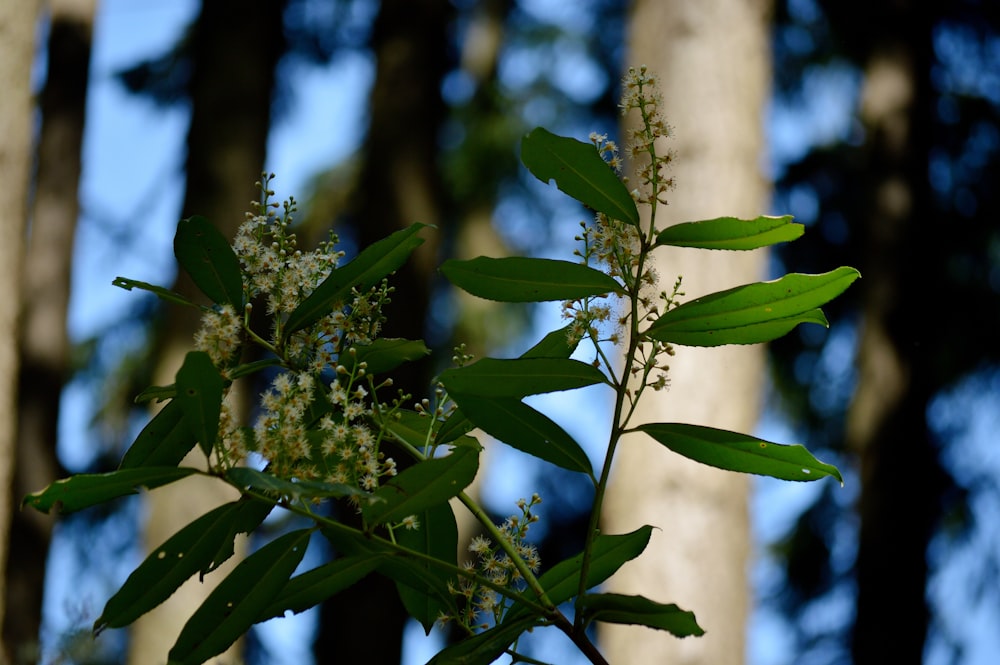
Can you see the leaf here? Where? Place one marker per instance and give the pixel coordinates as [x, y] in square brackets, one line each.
[385, 354]
[207, 257]
[437, 537]
[164, 441]
[562, 581]
[639, 610]
[522, 427]
[580, 172]
[235, 605]
[455, 426]
[421, 486]
[752, 313]
[553, 345]
[247, 369]
[519, 377]
[315, 586]
[524, 279]
[731, 233]
[88, 489]
[247, 478]
[363, 272]
[156, 393]
[740, 452]
[485, 647]
[194, 548]
[199, 394]
[162, 293]
[409, 427]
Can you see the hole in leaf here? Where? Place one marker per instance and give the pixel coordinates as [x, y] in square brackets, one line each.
[161, 555]
[807, 471]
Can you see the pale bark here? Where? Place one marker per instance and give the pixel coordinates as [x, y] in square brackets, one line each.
[17, 34]
[713, 61]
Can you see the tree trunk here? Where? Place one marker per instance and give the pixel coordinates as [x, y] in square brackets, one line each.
[17, 34]
[44, 340]
[399, 185]
[713, 61]
[235, 52]
[901, 478]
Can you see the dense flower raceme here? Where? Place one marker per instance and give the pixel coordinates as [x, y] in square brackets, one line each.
[314, 421]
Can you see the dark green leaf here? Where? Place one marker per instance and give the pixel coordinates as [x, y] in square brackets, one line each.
[485, 647]
[163, 442]
[156, 393]
[740, 452]
[164, 294]
[247, 478]
[315, 586]
[239, 600]
[554, 345]
[199, 394]
[88, 489]
[519, 377]
[365, 271]
[410, 427]
[752, 313]
[385, 354]
[522, 427]
[522, 279]
[250, 368]
[437, 537]
[207, 257]
[639, 610]
[562, 581]
[579, 171]
[194, 548]
[731, 233]
[455, 426]
[421, 486]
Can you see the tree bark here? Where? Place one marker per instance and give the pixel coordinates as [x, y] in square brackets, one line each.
[235, 53]
[17, 34]
[713, 61]
[399, 185]
[46, 286]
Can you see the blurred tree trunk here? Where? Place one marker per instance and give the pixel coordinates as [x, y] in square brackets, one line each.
[399, 184]
[713, 61]
[234, 54]
[901, 478]
[46, 285]
[17, 34]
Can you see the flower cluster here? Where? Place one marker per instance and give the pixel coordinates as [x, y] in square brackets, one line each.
[640, 93]
[482, 604]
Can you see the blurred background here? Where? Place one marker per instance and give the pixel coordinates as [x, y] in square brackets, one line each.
[879, 130]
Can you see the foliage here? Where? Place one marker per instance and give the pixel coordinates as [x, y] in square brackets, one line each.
[322, 427]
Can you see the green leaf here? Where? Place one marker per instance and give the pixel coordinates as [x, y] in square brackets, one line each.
[315, 586]
[385, 354]
[247, 369]
[523, 279]
[437, 537]
[156, 393]
[207, 257]
[752, 313]
[163, 442]
[731, 233]
[522, 427]
[562, 581]
[88, 489]
[162, 293]
[580, 172]
[639, 610]
[366, 270]
[246, 478]
[485, 647]
[199, 394]
[519, 377]
[238, 601]
[410, 427]
[554, 345]
[423, 485]
[740, 452]
[194, 548]
[455, 426]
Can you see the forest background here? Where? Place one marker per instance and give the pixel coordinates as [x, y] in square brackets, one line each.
[883, 138]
